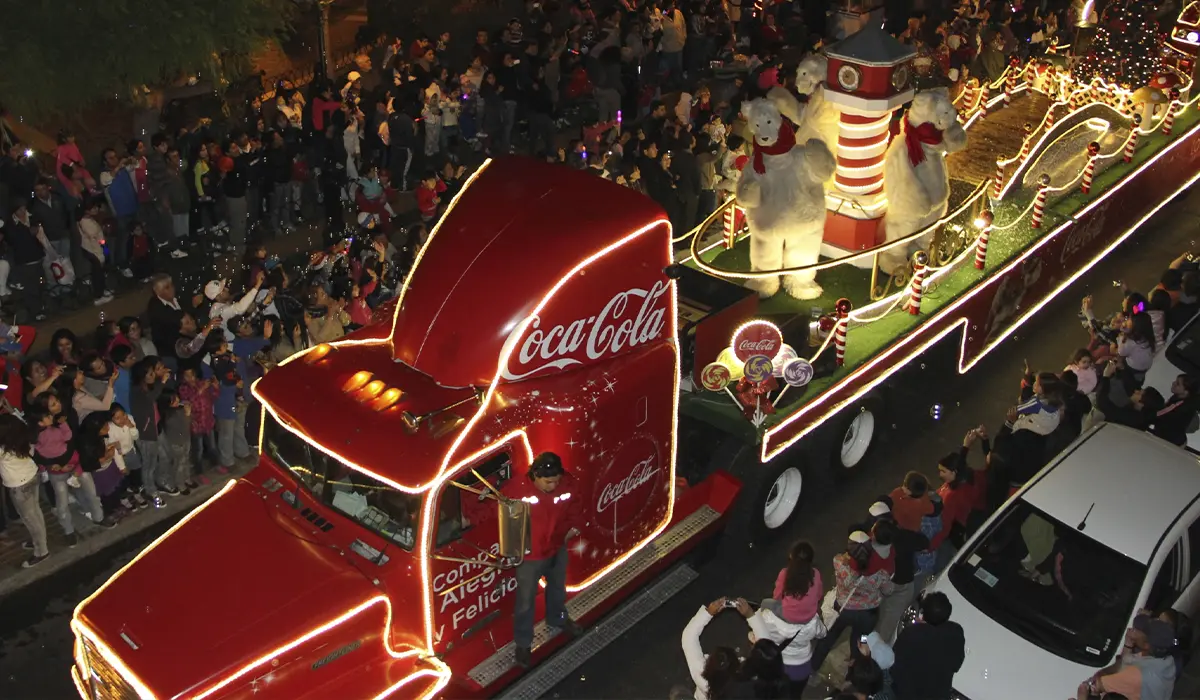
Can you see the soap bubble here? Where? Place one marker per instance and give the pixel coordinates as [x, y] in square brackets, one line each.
[935, 411]
[922, 365]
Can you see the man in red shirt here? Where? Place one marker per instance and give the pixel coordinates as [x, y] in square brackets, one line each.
[553, 516]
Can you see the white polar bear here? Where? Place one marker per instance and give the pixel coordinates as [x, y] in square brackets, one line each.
[782, 193]
[914, 173]
[821, 116]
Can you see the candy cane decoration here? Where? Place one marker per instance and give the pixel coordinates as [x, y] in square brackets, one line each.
[1089, 170]
[1050, 117]
[1131, 143]
[729, 221]
[998, 184]
[983, 98]
[1010, 82]
[984, 222]
[1027, 145]
[920, 261]
[1169, 119]
[843, 308]
[1039, 202]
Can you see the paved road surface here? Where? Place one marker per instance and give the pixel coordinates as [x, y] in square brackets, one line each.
[35, 642]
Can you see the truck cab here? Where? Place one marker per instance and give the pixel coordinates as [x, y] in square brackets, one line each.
[370, 553]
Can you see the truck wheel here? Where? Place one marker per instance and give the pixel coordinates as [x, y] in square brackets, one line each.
[855, 435]
[771, 496]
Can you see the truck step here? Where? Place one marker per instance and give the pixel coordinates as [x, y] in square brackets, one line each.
[497, 665]
[538, 682]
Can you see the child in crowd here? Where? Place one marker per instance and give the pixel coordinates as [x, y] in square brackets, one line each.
[799, 587]
[359, 310]
[177, 427]
[141, 261]
[148, 379]
[230, 407]
[55, 453]
[97, 458]
[431, 117]
[19, 474]
[199, 396]
[1041, 399]
[1085, 370]
[123, 433]
[429, 197]
[910, 501]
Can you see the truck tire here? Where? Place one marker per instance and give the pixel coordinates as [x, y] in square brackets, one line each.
[771, 496]
[855, 434]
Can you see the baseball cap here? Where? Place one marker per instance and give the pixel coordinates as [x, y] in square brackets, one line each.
[1160, 635]
[213, 289]
[859, 537]
[879, 509]
[352, 76]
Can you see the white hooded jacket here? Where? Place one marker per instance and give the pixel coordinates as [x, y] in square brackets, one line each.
[765, 624]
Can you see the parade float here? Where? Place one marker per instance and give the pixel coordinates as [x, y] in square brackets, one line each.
[371, 552]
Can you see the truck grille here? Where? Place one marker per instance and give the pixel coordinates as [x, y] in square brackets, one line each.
[102, 681]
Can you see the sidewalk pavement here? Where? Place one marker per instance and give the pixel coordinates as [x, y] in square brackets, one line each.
[93, 538]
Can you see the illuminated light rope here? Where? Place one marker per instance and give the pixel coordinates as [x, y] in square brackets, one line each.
[84, 630]
[768, 454]
[507, 350]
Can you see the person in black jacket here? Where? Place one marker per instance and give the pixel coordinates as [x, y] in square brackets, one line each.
[333, 176]
[687, 172]
[27, 277]
[278, 167]
[929, 652]
[235, 184]
[1177, 416]
[1142, 409]
[887, 534]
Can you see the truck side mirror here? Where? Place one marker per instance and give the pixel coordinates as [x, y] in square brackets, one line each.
[512, 517]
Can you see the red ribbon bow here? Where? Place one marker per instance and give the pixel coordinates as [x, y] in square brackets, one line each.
[914, 136]
[783, 144]
[754, 395]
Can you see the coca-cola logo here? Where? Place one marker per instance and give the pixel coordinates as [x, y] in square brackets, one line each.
[642, 473]
[629, 491]
[757, 338]
[617, 328]
[1083, 234]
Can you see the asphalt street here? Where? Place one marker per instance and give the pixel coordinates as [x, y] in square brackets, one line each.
[934, 408]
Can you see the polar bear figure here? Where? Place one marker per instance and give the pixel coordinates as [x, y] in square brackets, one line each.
[781, 189]
[914, 172]
[814, 116]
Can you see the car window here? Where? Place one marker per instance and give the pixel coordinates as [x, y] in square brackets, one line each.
[1051, 584]
[1184, 349]
[461, 510]
[1168, 583]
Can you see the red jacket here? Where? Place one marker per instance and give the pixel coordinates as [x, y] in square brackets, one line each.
[551, 515]
[425, 198]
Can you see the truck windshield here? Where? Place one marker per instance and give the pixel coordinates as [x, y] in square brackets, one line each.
[1184, 350]
[380, 508]
[1051, 584]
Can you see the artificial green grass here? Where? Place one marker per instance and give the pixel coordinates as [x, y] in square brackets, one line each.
[866, 341]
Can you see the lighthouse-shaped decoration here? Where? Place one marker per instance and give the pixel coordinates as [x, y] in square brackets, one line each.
[870, 76]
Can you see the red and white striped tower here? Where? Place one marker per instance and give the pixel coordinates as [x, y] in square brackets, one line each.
[1010, 80]
[1039, 202]
[1089, 170]
[843, 308]
[998, 183]
[1169, 119]
[917, 288]
[869, 77]
[984, 224]
[1027, 144]
[1131, 143]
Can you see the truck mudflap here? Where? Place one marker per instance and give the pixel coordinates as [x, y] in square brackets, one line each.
[699, 512]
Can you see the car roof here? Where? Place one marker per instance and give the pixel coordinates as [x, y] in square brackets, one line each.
[1135, 485]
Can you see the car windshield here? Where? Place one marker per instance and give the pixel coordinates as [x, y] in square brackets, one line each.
[1184, 349]
[380, 508]
[1051, 584]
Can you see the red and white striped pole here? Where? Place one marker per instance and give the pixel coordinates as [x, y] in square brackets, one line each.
[1010, 81]
[843, 308]
[1169, 119]
[998, 184]
[983, 99]
[1039, 202]
[729, 222]
[920, 262]
[984, 223]
[1027, 145]
[1050, 116]
[1089, 170]
[1131, 143]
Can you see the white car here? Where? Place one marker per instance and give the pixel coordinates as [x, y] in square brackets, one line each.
[1119, 513]
[1180, 355]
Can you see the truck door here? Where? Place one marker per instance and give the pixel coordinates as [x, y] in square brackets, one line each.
[468, 596]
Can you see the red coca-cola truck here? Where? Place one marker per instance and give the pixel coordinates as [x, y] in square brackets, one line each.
[370, 553]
